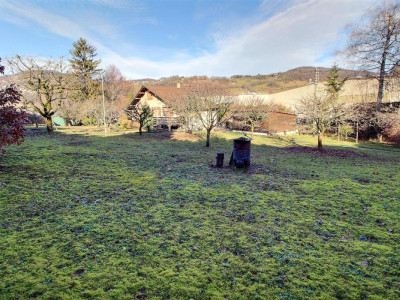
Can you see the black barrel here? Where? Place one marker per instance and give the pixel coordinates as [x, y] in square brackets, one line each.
[241, 152]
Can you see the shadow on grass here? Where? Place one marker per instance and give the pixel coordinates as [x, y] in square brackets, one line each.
[129, 216]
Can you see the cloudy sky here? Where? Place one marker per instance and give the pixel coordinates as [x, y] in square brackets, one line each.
[156, 38]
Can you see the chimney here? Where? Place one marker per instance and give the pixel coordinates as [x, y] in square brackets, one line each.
[178, 84]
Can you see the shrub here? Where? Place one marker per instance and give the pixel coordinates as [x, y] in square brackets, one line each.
[346, 130]
[126, 123]
[12, 121]
[392, 132]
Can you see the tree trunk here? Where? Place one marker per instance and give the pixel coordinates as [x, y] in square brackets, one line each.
[380, 137]
[208, 137]
[319, 142]
[382, 70]
[357, 132]
[49, 123]
[140, 129]
[381, 86]
[252, 129]
[338, 131]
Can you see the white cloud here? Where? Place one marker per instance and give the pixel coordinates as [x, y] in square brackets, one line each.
[297, 36]
[53, 23]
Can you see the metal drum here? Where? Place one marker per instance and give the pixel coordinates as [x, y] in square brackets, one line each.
[241, 152]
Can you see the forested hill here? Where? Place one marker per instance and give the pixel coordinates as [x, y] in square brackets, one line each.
[265, 84]
[268, 84]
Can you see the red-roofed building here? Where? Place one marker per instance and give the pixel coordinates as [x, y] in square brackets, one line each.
[160, 100]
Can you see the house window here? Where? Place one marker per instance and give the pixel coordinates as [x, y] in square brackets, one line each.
[156, 112]
[165, 112]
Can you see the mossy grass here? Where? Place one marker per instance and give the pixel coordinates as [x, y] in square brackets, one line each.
[128, 216]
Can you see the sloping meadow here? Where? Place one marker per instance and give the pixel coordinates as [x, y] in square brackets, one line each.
[83, 216]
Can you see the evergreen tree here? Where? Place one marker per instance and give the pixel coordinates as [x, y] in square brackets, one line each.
[334, 86]
[333, 83]
[84, 64]
[83, 60]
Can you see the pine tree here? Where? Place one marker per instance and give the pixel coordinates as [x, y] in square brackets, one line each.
[83, 60]
[334, 86]
[84, 64]
[333, 83]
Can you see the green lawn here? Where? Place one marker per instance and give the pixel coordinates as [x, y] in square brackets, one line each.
[130, 217]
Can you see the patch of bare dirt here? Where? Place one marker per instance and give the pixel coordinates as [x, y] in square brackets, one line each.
[324, 152]
[181, 136]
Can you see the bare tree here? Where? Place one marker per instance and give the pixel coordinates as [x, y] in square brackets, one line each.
[141, 112]
[211, 103]
[43, 83]
[183, 106]
[114, 89]
[252, 111]
[374, 45]
[319, 113]
[358, 113]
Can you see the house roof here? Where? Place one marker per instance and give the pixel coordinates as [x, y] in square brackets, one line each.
[166, 94]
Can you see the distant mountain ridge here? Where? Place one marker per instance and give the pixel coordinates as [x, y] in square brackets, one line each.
[262, 84]
[242, 84]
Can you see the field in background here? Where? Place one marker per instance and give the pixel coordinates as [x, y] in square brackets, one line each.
[129, 216]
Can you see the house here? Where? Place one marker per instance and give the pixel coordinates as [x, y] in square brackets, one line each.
[160, 100]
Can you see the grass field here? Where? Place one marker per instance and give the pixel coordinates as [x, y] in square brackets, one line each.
[135, 217]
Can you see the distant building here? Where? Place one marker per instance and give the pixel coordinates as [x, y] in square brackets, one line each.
[159, 99]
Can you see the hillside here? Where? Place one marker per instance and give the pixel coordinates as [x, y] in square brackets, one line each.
[240, 84]
[264, 84]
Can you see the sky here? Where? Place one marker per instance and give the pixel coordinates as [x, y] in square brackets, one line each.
[160, 38]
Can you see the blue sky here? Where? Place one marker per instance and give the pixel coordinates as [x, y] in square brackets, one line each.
[155, 38]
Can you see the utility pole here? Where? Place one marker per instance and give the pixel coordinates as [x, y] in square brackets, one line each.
[316, 80]
[101, 71]
[104, 105]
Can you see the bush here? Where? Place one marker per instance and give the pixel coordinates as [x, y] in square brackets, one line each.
[126, 123]
[346, 130]
[12, 121]
[392, 132]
